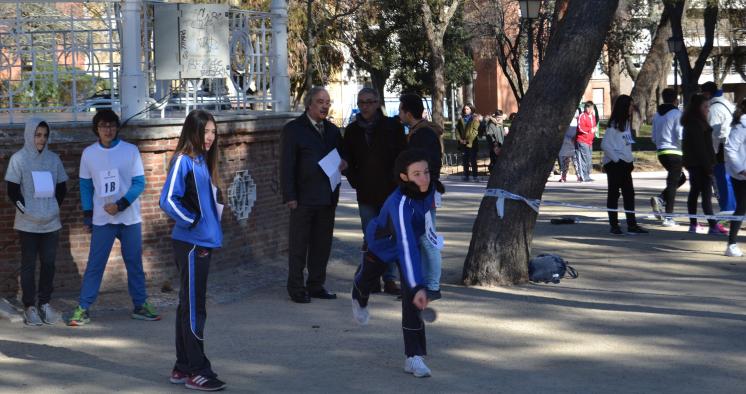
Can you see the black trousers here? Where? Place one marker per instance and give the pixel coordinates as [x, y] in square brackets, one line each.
[193, 263]
[310, 244]
[673, 164]
[469, 159]
[739, 189]
[43, 246]
[413, 327]
[619, 176]
[700, 183]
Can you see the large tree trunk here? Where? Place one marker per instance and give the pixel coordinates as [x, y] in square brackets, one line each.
[378, 80]
[435, 31]
[439, 81]
[310, 46]
[469, 92]
[615, 76]
[656, 67]
[500, 247]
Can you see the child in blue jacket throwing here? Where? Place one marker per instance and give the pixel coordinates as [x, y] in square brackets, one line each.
[190, 197]
[393, 236]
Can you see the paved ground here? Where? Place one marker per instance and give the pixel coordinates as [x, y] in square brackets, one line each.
[658, 313]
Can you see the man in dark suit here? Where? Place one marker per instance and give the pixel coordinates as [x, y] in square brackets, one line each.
[372, 142]
[307, 192]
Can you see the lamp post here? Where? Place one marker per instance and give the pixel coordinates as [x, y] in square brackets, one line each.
[530, 12]
[473, 87]
[675, 44]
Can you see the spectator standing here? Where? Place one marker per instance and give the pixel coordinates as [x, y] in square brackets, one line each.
[720, 118]
[586, 132]
[735, 162]
[467, 128]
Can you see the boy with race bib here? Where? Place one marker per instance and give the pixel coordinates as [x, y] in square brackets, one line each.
[111, 181]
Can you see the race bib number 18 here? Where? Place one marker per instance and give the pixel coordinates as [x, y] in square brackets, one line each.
[108, 182]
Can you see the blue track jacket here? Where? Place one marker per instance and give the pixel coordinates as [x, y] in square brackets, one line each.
[394, 234]
[188, 198]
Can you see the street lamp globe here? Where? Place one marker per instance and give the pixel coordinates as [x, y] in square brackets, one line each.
[530, 8]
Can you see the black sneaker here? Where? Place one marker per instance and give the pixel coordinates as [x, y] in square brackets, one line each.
[616, 230]
[636, 230]
[202, 383]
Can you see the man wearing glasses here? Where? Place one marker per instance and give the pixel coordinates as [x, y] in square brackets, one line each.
[372, 143]
[111, 181]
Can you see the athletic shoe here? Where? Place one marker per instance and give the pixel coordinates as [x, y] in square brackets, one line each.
[178, 377]
[79, 317]
[31, 316]
[696, 228]
[202, 383]
[668, 222]
[656, 203]
[590, 180]
[636, 229]
[359, 313]
[48, 315]
[145, 312]
[616, 230]
[718, 229]
[733, 251]
[416, 366]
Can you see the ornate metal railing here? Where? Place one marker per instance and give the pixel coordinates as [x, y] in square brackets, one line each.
[58, 56]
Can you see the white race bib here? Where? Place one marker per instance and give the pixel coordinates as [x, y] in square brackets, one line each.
[108, 182]
[436, 240]
[43, 184]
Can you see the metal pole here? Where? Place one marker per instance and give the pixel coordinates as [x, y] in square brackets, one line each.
[279, 70]
[132, 89]
[530, 49]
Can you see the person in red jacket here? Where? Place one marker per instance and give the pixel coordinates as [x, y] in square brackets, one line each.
[586, 132]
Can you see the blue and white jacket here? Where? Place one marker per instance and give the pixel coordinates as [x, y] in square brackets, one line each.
[395, 233]
[189, 198]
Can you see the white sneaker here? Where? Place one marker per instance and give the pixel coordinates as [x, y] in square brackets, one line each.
[416, 366]
[360, 314]
[733, 251]
[48, 314]
[669, 222]
[31, 316]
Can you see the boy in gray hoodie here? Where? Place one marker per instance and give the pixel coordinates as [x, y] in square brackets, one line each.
[36, 186]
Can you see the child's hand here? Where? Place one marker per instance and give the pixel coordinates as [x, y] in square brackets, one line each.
[420, 299]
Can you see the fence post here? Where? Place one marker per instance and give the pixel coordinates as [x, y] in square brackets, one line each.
[133, 89]
[279, 57]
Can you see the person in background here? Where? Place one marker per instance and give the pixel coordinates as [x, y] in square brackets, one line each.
[112, 178]
[495, 135]
[586, 132]
[371, 144]
[699, 160]
[567, 151]
[36, 182]
[617, 162]
[720, 118]
[667, 135]
[467, 128]
[307, 193]
[735, 162]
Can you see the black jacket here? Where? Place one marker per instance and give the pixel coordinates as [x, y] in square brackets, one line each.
[371, 165]
[423, 136]
[301, 177]
[697, 145]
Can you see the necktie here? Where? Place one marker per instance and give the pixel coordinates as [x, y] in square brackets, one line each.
[320, 128]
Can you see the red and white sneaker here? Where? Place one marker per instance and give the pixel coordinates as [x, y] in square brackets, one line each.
[203, 383]
[178, 377]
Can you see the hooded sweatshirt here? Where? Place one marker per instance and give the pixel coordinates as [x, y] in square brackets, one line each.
[735, 150]
[667, 130]
[720, 118]
[41, 210]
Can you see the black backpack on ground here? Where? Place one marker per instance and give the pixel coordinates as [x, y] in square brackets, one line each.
[549, 268]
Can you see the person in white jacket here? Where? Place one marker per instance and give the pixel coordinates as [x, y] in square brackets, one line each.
[720, 118]
[667, 136]
[735, 164]
[617, 162]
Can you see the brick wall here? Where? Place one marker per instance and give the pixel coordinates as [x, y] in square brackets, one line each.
[247, 143]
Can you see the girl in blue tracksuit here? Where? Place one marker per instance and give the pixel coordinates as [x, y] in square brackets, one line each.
[394, 235]
[190, 197]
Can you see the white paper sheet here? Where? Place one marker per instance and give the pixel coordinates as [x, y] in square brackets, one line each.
[330, 165]
[43, 184]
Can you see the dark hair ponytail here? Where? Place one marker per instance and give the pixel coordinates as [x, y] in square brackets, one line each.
[739, 112]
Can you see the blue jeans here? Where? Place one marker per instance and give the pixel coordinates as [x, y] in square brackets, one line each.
[726, 197]
[102, 240]
[367, 213]
[583, 161]
[431, 260]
